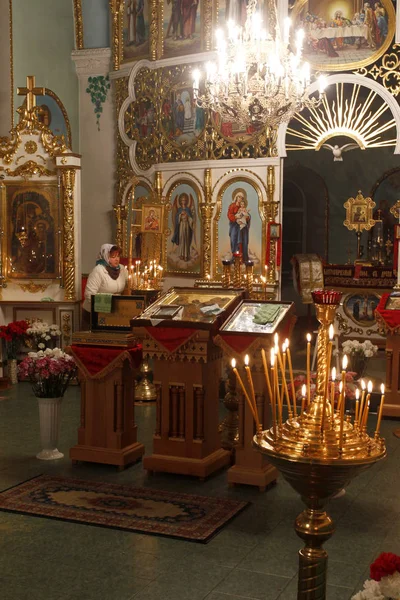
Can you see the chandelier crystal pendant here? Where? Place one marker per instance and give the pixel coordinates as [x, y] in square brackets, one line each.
[257, 80]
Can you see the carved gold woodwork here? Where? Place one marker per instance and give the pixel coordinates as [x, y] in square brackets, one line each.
[117, 15]
[66, 329]
[78, 24]
[29, 169]
[386, 71]
[68, 184]
[154, 86]
[206, 210]
[33, 287]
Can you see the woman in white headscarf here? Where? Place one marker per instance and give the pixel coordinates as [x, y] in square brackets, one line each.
[107, 277]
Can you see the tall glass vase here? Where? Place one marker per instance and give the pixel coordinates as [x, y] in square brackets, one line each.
[49, 417]
[13, 370]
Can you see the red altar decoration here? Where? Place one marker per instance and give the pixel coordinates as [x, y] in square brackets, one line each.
[388, 319]
[171, 339]
[98, 362]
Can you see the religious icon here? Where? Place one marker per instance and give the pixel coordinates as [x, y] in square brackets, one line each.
[183, 245]
[238, 225]
[32, 247]
[361, 308]
[274, 230]
[152, 218]
[181, 119]
[181, 27]
[359, 213]
[136, 29]
[344, 37]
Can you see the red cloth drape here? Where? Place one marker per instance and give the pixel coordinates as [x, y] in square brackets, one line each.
[95, 359]
[390, 319]
[169, 337]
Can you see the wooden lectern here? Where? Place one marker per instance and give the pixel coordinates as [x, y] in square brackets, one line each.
[177, 333]
[107, 433]
[239, 336]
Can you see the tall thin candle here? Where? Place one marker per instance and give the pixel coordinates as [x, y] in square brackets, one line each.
[249, 402]
[363, 388]
[378, 425]
[333, 378]
[303, 397]
[357, 407]
[291, 377]
[266, 374]
[273, 405]
[308, 368]
[364, 416]
[252, 391]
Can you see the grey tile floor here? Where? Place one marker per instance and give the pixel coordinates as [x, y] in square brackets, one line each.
[254, 557]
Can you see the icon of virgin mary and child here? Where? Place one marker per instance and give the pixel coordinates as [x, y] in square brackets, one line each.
[239, 223]
[184, 222]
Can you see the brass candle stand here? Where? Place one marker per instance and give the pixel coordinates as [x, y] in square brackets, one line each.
[319, 452]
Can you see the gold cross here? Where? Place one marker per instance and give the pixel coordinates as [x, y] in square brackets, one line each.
[395, 210]
[30, 91]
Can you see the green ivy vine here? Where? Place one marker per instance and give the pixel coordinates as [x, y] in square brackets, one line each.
[98, 89]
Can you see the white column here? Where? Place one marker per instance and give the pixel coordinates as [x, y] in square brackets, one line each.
[98, 150]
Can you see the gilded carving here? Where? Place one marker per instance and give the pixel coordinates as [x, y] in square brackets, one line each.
[155, 90]
[30, 147]
[66, 329]
[386, 71]
[78, 24]
[206, 211]
[117, 14]
[29, 169]
[33, 287]
[68, 184]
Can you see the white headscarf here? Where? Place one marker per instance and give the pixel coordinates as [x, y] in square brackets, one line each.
[104, 253]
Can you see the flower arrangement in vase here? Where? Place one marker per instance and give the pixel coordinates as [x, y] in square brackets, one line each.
[50, 372]
[42, 334]
[385, 579]
[14, 335]
[359, 354]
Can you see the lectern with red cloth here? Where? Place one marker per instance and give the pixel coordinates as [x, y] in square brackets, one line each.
[388, 321]
[238, 337]
[107, 433]
[187, 370]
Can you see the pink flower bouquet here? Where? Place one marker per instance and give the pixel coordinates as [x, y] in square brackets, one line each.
[50, 372]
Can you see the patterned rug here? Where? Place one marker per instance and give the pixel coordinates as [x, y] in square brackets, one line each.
[142, 510]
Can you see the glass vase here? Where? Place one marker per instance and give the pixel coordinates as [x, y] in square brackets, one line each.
[358, 364]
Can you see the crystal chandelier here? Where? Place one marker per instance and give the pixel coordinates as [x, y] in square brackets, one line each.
[257, 80]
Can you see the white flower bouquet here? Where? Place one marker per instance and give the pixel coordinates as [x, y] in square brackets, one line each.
[42, 334]
[385, 579]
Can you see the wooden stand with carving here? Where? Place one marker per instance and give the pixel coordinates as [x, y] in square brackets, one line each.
[251, 467]
[107, 433]
[186, 440]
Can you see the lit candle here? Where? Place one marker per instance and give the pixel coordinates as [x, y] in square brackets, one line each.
[357, 407]
[380, 411]
[303, 397]
[363, 388]
[308, 368]
[273, 405]
[239, 379]
[333, 377]
[339, 404]
[291, 377]
[364, 417]
[286, 29]
[344, 368]
[253, 395]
